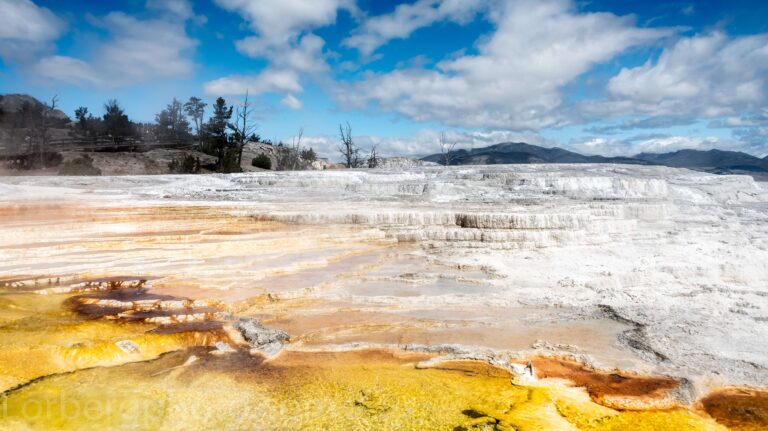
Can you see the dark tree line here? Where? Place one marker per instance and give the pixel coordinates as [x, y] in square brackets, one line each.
[178, 124]
[223, 134]
[113, 124]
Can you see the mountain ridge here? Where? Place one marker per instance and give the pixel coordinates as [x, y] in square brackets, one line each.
[716, 161]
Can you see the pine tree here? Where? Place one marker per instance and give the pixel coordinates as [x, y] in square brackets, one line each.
[217, 139]
[195, 109]
[116, 123]
[172, 125]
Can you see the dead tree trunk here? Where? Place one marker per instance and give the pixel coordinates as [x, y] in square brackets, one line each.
[446, 149]
[349, 152]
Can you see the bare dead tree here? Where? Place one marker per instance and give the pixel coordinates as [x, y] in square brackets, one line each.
[349, 152]
[244, 126]
[446, 149]
[288, 156]
[373, 158]
[295, 150]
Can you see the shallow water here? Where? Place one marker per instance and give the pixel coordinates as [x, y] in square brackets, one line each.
[329, 391]
[40, 336]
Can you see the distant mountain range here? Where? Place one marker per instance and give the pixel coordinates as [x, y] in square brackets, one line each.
[715, 161]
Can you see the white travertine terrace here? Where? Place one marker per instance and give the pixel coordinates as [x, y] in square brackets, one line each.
[669, 265]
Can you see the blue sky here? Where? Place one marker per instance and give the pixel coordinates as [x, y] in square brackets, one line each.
[599, 77]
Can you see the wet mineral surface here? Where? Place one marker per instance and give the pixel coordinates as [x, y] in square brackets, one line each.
[445, 299]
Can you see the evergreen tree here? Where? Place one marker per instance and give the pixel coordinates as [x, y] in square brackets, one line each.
[172, 125]
[116, 123]
[195, 109]
[216, 137]
[81, 114]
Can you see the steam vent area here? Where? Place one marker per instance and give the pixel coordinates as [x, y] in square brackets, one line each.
[528, 297]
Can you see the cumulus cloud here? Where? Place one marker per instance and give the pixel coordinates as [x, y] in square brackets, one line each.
[26, 29]
[707, 75]
[756, 136]
[282, 75]
[137, 51]
[279, 21]
[292, 102]
[305, 56]
[710, 76]
[409, 17]
[759, 118]
[750, 129]
[282, 37]
[609, 147]
[270, 80]
[516, 79]
[68, 69]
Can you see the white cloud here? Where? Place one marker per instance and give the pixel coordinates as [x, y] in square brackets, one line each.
[708, 75]
[759, 118]
[278, 21]
[282, 37]
[137, 51]
[268, 81]
[305, 56]
[599, 146]
[281, 28]
[408, 17]
[292, 102]
[26, 29]
[754, 136]
[281, 76]
[516, 79]
[68, 69]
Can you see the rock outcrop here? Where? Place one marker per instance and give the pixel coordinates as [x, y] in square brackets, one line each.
[267, 341]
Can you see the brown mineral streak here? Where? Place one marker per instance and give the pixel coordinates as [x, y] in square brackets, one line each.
[743, 409]
[600, 383]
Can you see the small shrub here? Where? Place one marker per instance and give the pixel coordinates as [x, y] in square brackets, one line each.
[80, 166]
[51, 159]
[188, 164]
[230, 162]
[262, 161]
